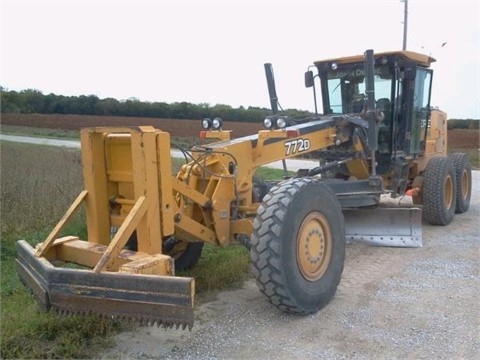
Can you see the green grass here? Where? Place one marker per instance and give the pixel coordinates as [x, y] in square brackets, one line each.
[269, 174]
[29, 333]
[38, 184]
[220, 268]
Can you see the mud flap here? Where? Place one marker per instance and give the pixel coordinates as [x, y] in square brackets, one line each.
[149, 299]
[385, 226]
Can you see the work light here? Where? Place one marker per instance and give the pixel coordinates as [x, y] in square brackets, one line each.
[268, 123]
[207, 123]
[281, 122]
[217, 123]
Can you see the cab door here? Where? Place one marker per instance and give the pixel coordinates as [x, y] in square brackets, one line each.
[420, 110]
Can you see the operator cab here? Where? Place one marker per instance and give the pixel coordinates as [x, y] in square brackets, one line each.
[402, 93]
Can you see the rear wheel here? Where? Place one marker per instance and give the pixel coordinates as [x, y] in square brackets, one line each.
[298, 246]
[463, 172]
[439, 191]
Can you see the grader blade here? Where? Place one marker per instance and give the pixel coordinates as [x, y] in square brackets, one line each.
[385, 226]
[150, 299]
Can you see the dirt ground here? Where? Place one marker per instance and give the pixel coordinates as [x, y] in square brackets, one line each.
[176, 127]
[392, 303]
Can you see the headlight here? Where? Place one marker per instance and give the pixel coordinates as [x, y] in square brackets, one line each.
[217, 123]
[268, 123]
[281, 123]
[334, 66]
[206, 123]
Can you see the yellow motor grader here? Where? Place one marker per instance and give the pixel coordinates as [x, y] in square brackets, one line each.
[377, 137]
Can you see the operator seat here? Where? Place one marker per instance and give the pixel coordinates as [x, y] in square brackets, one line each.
[384, 133]
[358, 103]
[385, 106]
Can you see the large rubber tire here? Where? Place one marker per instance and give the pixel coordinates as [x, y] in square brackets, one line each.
[439, 191]
[185, 254]
[463, 172]
[298, 245]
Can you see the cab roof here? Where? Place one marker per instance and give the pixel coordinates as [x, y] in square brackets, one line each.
[420, 59]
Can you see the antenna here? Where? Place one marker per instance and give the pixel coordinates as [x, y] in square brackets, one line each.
[271, 87]
[405, 23]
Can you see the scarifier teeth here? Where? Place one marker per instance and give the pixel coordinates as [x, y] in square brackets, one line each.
[166, 324]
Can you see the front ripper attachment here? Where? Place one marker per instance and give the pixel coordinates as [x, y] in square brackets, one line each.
[148, 299]
[123, 169]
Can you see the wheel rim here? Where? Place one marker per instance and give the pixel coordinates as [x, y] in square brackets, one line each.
[314, 246]
[465, 184]
[448, 192]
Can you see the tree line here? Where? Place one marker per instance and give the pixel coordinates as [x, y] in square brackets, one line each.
[463, 124]
[33, 101]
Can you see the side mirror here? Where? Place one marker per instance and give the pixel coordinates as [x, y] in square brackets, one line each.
[309, 79]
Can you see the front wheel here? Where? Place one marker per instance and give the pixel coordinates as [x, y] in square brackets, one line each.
[185, 254]
[298, 245]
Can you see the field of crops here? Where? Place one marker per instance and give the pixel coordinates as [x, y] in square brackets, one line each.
[185, 132]
[176, 127]
[463, 139]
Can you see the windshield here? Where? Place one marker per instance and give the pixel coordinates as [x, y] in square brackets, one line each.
[346, 89]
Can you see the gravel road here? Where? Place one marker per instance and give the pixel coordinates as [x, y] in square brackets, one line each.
[398, 303]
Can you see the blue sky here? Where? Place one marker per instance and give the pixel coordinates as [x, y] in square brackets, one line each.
[213, 51]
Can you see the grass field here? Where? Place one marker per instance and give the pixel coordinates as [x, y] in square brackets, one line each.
[38, 183]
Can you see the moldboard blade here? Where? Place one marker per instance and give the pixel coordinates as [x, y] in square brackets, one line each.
[385, 226]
